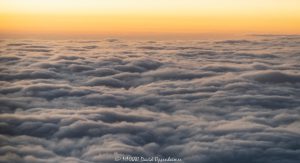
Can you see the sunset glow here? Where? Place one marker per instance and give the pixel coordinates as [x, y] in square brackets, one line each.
[144, 17]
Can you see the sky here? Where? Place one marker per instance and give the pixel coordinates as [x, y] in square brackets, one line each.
[148, 17]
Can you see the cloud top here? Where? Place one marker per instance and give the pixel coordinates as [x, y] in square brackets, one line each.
[214, 101]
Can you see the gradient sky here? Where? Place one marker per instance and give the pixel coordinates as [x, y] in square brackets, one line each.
[146, 17]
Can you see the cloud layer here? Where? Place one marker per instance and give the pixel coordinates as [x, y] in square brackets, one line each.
[201, 101]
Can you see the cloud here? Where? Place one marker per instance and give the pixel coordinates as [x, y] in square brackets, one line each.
[101, 72]
[34, 50]
[90, 47]
[106, 81]
[274, 77]
[16, 44]
[79, 68]
[8, 58]
[233, 42]
[200, 101]
[28, 75]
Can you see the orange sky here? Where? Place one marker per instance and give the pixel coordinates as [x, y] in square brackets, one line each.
[147, 17]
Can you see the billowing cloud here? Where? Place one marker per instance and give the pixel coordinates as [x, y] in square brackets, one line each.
[200, 101]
